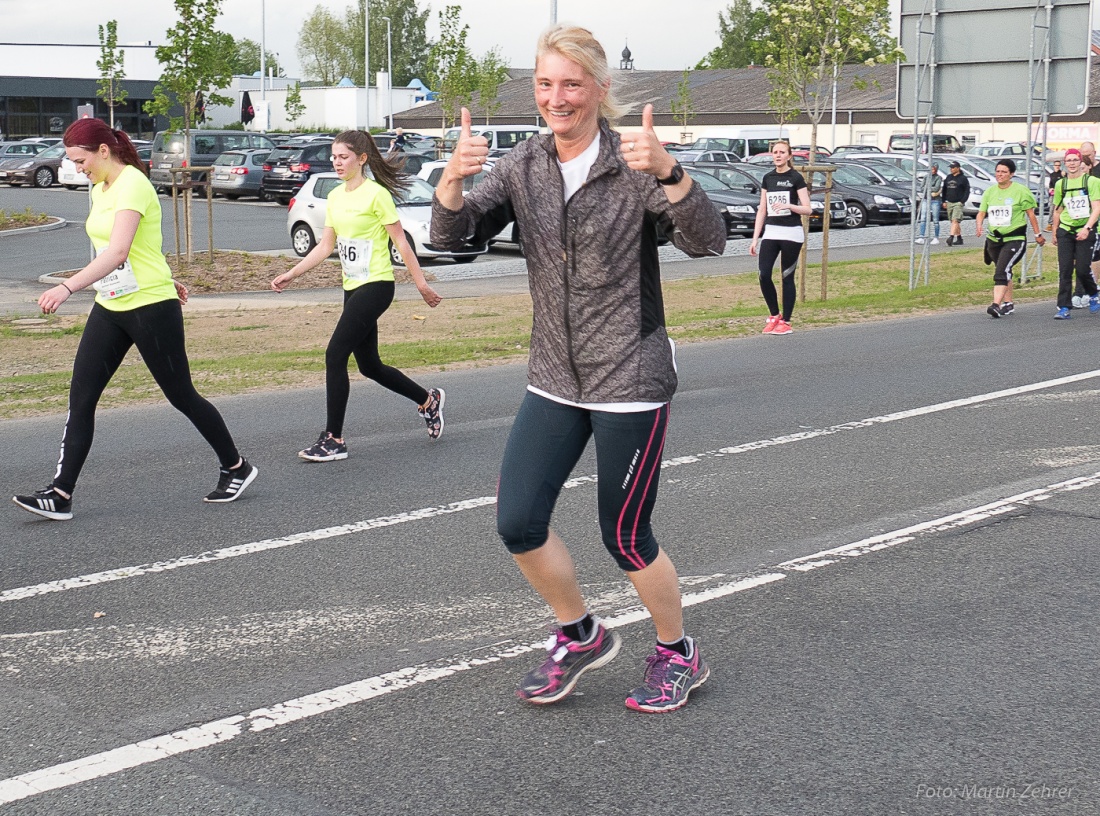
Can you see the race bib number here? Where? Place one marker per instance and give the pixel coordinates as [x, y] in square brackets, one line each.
[779, 202]
[1078, 207]
[355, 255]
[1000, 216]
[121, 282]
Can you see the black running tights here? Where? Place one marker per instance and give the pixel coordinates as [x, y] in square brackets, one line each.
[357, 333]
[787, 252]
[157, 331]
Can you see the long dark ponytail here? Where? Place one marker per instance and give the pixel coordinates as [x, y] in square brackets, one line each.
[385, 172]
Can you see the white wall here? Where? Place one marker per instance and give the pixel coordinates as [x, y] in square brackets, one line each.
[331, 108]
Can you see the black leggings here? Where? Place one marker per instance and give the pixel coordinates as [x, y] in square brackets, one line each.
[1074, 257]
[357, 333]
[546, 441]
[788, 252]
[157, 331]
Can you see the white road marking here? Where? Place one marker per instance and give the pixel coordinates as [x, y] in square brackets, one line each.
[107, 763]
[118, 574]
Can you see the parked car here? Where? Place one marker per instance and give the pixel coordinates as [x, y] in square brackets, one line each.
[69, 177]
[941, 143]
[995, 150]
[20, 150]
[844, 150]
[206, 146]
[49, 141]
[866, 203]
[305, 219]
[875, 173]
[40, 170]
[240, 173]
[145, 153]
[737, 208]
[289, 166]
[692, 156]
[747, 178]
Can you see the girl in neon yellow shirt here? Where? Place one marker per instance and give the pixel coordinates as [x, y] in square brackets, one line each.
[137, 304]
[360, 220]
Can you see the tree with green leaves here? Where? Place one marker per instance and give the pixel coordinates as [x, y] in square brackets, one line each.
[452, 70]
[408, 40]
[683, 105]
[111, 69]
[244, 59]
[323, 47]
[492, 72]
[809, 42]
[294, 105]
[193, 64]
[740, 33]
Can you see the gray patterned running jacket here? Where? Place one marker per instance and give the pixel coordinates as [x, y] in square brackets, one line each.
[598, 333]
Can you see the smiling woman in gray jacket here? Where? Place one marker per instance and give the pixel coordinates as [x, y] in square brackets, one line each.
[589, 205]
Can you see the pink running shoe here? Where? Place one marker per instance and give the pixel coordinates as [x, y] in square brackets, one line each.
[781, 327]
[669, 679]
[769, 324]
[566, 662]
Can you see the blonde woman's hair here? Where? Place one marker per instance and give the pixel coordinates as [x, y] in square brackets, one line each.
[577, 45]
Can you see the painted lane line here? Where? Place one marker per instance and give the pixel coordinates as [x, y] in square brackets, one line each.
[953, 521]
[118, 574]
[145, 752]
[107, 763]
[252, 548]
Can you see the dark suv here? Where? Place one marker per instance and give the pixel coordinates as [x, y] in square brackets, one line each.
[290, 165]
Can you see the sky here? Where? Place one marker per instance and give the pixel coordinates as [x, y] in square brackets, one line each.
[662, 35]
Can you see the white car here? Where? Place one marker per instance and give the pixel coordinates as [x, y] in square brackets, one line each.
[69, 177]
[431, 172]
[305, 219]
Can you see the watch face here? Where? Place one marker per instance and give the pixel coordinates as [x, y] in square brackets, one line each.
[674, 177]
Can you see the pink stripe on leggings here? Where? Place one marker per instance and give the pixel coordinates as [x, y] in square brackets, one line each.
[632, 555]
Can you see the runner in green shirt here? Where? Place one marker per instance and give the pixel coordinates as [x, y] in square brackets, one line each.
[1007, 206]
[360, 220]
[1076, 211]
[137, 304]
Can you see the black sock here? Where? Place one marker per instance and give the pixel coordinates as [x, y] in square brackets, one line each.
[581, 629]
[682, 647]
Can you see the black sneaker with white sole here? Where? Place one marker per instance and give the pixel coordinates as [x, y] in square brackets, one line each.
[232, 483]
[47, 503]
[1008, 307]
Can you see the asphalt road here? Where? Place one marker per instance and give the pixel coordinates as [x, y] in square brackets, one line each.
[882, 530]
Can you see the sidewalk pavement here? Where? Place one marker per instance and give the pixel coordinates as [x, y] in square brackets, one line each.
[21, 298]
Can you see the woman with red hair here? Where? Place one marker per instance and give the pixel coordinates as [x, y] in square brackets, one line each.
[137, 304]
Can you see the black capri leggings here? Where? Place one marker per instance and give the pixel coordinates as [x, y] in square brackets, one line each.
[546, 442]
[787, 252]
[1005, 255]
[157, 331]
[357, 333]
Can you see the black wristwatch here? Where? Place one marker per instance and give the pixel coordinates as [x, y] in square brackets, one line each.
[675, 177]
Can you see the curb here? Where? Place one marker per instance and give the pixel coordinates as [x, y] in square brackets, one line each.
[58, 224]
[55, 278]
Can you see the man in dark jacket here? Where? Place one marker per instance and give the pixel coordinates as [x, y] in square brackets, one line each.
[956, 190]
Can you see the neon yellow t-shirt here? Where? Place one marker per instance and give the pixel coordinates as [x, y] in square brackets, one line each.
[359, 219]
[144, 277]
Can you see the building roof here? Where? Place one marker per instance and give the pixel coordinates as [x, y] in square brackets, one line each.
[736, 96]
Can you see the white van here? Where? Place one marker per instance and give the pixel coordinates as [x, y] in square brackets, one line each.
[502, 138]
[744, 141]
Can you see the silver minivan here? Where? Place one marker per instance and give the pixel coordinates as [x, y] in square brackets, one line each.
[502, 138]
[206, 146]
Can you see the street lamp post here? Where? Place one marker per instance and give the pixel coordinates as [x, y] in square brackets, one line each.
[389, 73]
[263, 50]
